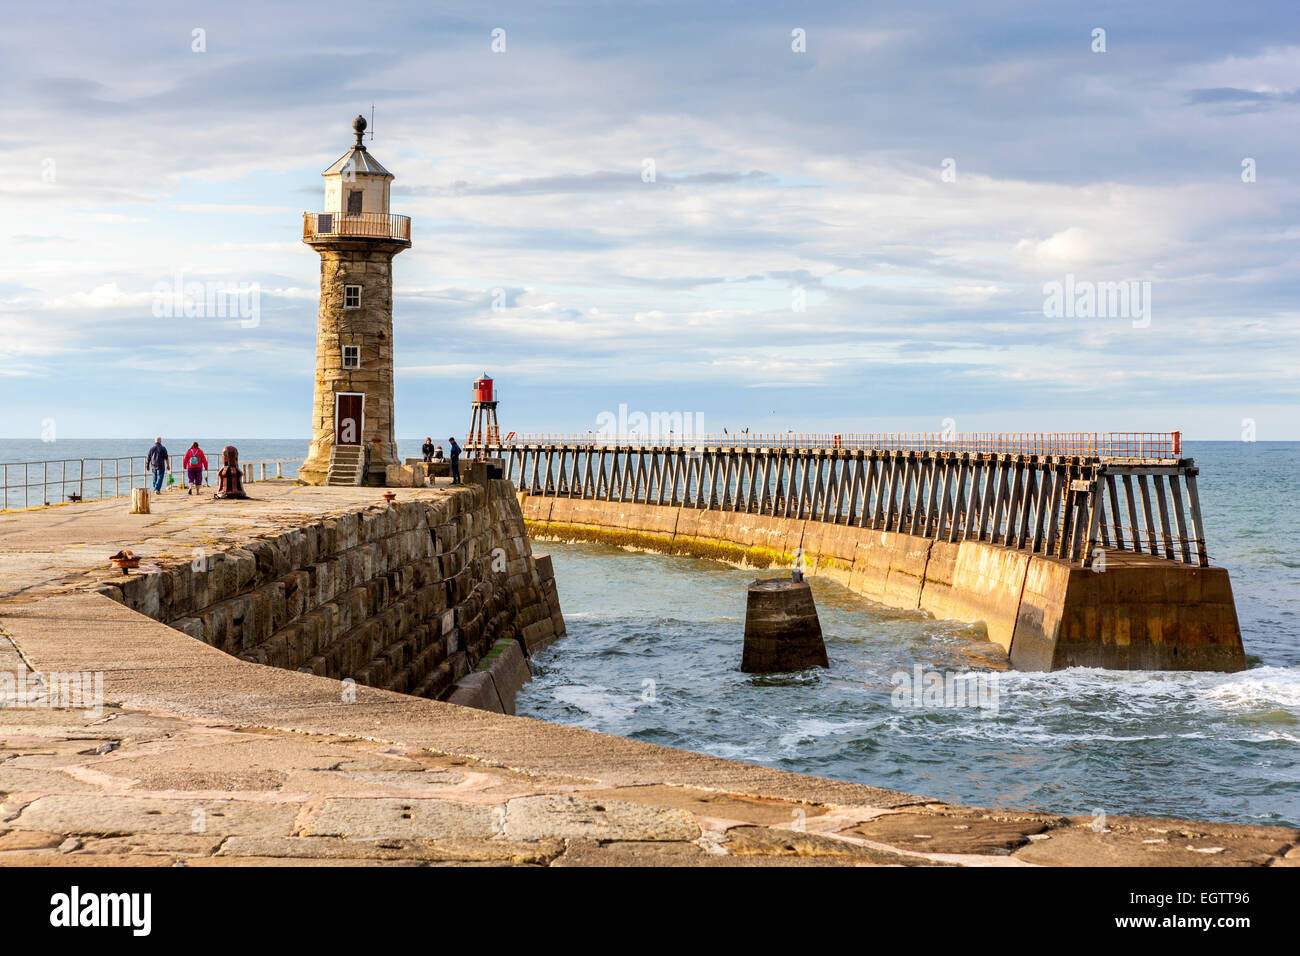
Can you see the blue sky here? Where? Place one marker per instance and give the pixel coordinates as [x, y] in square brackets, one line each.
[129, 159]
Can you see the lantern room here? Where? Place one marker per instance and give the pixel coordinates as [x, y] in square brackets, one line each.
[483, 389]
[357, 184]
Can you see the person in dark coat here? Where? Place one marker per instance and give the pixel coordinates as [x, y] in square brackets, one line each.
[427, 449]
[455, 461]
[159, 462]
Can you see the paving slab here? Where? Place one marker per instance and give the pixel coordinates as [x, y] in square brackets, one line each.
[553, 816]
[769, 841]
[1141, 841]
[401, 819]
[109, 814]
[955, 831]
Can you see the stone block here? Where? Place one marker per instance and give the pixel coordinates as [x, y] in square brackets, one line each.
[477, 690]
[539, 635]
[565, 817]
[509, 669]
[405, 476]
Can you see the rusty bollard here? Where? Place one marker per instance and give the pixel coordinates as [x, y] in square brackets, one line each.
[126, 560]
[230, 479]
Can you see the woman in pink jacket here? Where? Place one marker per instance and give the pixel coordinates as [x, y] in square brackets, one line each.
[196, 463]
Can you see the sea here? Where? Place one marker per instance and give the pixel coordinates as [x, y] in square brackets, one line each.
[654, 644]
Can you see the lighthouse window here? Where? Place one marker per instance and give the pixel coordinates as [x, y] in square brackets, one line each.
[352, 297]
[352, 356]
[354, 201]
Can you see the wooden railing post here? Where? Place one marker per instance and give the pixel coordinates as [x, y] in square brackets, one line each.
[1194, 503]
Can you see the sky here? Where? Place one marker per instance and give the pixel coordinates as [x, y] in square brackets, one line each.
[811, 216]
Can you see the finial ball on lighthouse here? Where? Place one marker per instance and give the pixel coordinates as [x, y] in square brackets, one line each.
[359, 127]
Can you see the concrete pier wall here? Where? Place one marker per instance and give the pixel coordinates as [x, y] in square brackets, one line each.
[411, 596]
[1140, 612]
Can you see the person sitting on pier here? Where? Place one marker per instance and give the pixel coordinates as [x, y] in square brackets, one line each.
[427, 449]
[159, 462]
[438, 456]
[196, 463]
[455, 461]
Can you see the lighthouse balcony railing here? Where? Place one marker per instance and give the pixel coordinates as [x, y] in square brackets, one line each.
[366, 225]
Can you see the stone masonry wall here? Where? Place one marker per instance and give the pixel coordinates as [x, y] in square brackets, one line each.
[407, 596]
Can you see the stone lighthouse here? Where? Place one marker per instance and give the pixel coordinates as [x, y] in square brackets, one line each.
[352, 411]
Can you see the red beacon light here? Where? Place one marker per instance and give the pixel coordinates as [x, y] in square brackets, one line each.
[483, 430]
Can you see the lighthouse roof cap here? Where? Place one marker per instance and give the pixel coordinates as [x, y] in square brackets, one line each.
[363, 164]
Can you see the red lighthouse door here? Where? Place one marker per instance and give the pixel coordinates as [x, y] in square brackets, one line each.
[349, 415]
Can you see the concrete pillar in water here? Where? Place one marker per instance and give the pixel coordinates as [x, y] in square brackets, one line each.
[782, 632]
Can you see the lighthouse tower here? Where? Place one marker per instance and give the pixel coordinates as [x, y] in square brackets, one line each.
[356, 237]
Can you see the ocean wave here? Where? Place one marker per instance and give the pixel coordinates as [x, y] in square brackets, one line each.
[1258, 688]
[1217, 745]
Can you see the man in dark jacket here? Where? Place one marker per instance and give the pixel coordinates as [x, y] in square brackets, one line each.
[158, 462]
[455, 461]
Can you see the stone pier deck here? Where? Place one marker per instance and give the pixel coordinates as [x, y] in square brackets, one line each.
[201, 759]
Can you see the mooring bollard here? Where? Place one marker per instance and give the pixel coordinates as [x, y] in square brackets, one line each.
[230, 483]
[139, 501]
[782, 632]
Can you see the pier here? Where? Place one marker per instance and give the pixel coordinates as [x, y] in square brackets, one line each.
[417, 595]
[218, 748]
[1078, 549]
[1056, 495]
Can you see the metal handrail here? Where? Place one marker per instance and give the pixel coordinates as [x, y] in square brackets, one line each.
[1114, 445]
[118, 475]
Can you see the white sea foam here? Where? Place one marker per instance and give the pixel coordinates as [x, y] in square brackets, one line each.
[814, 728]
[1278, 735]
[1258, 688]
[600, 702]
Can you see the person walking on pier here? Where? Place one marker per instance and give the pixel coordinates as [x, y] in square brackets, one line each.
[196, 463]
[159, 462]
[427, 450]
[455, 461]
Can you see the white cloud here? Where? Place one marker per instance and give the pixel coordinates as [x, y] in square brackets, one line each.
[1273, 70]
